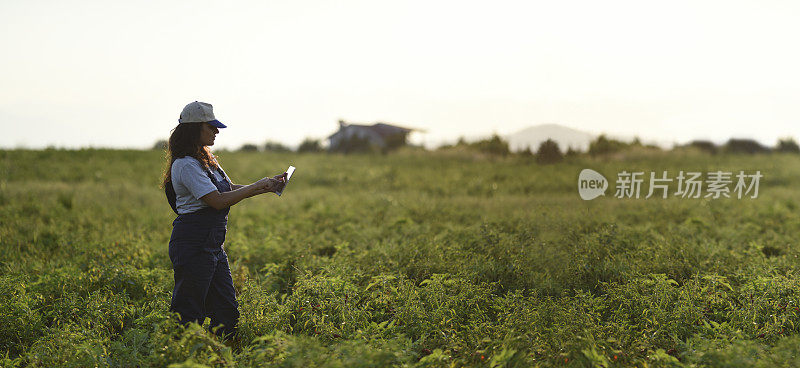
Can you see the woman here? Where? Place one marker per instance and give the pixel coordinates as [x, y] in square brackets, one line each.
[201, 193]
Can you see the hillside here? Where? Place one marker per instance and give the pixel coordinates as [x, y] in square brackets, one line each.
[565, 137]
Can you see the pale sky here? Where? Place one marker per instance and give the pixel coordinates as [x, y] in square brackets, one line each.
[117, 74]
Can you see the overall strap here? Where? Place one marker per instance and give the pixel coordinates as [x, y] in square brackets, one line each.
[212, 177]
[221, 185]
[172, 198]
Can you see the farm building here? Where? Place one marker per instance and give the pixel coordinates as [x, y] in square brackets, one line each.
[353, 137]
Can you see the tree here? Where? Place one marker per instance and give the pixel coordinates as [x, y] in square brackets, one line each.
[744, 146]
[527, 153]
[310, 145]
[460, 143]
[393, 142]
[275, 147]
[161, 144]
[572, 152]
[549, 153]
[248, 147]
[604, 145]
[353, 144]
[705, 146]
[787, 145]
[494, 145]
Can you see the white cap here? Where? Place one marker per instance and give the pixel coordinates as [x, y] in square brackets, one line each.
[199, 112]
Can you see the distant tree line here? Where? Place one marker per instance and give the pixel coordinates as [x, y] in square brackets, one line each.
[548, 151]
[354, 144]
[309, 145]
[746, 146]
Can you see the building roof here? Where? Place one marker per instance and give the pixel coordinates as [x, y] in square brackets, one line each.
[381, 129]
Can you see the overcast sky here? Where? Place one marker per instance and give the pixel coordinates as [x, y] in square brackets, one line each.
[117, 74]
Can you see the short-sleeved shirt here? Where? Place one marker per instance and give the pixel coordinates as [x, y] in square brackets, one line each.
[190, 180]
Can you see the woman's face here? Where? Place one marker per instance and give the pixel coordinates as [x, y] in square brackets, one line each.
[207, 134]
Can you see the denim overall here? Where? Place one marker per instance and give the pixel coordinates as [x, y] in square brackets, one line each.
[203, 284]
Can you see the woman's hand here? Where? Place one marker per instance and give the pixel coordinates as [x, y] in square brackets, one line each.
[220, 201]
[273, 184]
[264, 185]
[281, 178]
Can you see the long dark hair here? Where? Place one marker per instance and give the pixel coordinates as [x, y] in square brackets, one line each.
[185, 141]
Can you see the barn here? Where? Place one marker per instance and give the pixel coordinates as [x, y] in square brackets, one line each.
[379, 135]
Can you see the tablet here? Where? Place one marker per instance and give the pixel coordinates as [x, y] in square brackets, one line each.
[289, 173]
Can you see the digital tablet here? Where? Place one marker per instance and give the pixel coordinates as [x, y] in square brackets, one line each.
[289, 173]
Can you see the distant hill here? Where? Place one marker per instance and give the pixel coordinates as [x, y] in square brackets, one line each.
[535, 135]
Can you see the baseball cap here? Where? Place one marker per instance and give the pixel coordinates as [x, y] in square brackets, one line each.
[199, 112]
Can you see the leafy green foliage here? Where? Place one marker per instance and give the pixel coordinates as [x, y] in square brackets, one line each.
[603, 145]
[310, 145]
[749, 146]
[275, 147]
[493, 145]
[787, 145]
[394, 141]
[549, 153]
[248, 147]
[488, 262]
[354, 144]
[704, 145]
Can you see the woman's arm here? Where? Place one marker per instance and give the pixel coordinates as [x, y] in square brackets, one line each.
[237, 186]
[223, 200]
[279, 177]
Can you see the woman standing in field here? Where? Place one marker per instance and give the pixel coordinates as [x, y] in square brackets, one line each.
[201, 194]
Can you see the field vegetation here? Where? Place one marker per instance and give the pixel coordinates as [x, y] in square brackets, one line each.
[411, 259]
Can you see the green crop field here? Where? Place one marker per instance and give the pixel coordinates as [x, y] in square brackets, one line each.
[412, 259]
